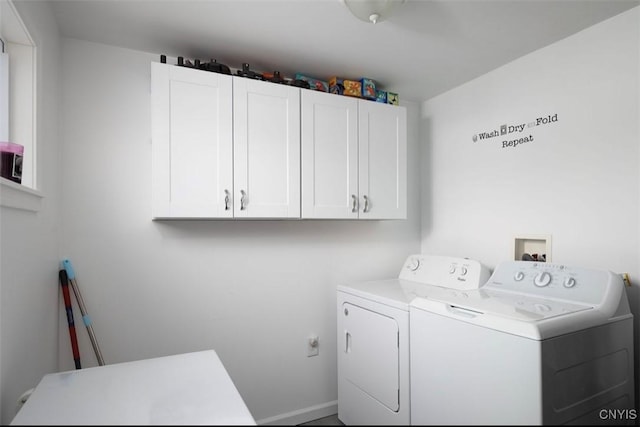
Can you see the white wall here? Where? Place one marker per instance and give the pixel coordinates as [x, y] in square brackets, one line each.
[251, 290]
[29, 241]
[254, 290]
[577, 180]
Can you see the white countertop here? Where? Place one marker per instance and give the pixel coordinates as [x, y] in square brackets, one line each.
[185, 389]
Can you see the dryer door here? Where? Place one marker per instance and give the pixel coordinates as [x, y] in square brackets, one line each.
[370, 353]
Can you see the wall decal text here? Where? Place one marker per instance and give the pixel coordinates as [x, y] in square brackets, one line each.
[505, 131]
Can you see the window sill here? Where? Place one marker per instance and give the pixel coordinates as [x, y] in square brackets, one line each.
[17, 196]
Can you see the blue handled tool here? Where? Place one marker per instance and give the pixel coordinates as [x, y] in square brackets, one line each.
[85, 317]
[64, 283]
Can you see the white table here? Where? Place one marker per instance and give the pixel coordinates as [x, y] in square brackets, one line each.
[185, 389]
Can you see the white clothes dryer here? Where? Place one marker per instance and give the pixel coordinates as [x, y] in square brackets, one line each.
[538, 344]
[373, 335]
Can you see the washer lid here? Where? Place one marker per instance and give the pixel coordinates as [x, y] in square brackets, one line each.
[529, 317]
[509, 305]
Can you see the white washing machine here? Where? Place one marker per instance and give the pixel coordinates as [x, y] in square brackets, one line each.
[373, 335]
[538, 344]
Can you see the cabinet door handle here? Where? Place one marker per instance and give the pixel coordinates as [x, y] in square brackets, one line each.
[354, 203]
[242, 199]
[226, 200]
[366, 204]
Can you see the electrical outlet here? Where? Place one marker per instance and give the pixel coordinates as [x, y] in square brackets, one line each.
[313, 346]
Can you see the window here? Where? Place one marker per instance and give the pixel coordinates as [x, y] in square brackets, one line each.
[18, 102]
[4, 93]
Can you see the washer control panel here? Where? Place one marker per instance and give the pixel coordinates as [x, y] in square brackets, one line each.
[552, 280]
[452, 272]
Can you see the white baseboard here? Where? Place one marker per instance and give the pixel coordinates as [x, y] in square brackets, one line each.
[302, 415]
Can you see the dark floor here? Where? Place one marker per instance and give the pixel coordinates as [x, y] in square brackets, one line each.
[331, 420]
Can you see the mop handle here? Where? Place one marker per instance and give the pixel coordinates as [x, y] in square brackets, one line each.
[85, 317]
[64, 283]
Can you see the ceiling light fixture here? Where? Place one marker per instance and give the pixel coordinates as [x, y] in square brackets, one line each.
[373, 11]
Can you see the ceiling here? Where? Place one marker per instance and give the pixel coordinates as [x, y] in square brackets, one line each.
[426, 48]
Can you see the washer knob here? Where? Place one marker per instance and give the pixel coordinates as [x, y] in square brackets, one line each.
[452, 268]
[542, 279]
[463, 270]
[518, 276]
[569, 282]
[543, 308]
[414, 264]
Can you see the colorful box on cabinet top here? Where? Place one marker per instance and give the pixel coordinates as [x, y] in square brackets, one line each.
[365, 88]
[352, 88]
[392, 98]
[368, 88]
[336, 85]
[345, 87]
[381, 96]
[316, 84]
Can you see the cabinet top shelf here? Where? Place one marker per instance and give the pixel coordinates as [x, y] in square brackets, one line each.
[243, 73]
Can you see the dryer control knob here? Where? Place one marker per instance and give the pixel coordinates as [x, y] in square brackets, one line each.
[542, 279]
[518, 276]
[569, 282]
[452, 268]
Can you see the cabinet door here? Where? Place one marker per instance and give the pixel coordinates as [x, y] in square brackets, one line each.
[191, 143]
[382, 160]
[329, 155]
[266, 149]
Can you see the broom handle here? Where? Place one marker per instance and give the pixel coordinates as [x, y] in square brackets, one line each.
[85, 317]
[64, 284]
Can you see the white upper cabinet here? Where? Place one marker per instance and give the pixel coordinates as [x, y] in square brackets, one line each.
[192, 137]
[329, 155]
[354, 158]
[382, 157]
[223, 146]
[266, 149]
[233, 147]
